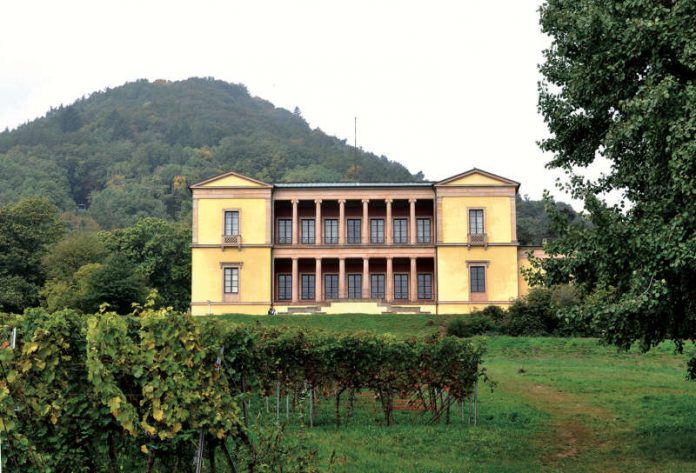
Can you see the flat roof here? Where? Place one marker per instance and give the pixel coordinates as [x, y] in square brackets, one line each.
[296, 185]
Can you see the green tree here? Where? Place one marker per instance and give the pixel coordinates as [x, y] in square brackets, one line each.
[620, 84]
[161, 253]
[27, 229]
[116, 282]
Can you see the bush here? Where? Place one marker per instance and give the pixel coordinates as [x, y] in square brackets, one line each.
[469, 326]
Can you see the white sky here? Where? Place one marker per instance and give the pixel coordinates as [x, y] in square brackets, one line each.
[439, 86]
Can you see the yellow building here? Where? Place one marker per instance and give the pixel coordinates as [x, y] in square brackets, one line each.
[446, 247]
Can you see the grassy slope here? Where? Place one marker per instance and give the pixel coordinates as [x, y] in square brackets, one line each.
[566, 405]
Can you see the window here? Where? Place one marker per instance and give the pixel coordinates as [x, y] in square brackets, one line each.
[377, 230]
[425, 286]
[308, 286]
[231, 276]
[354, 286]
[354, 235]
[477, 276]
[284, 287]
[400, 230]
[331, 286]
[401, 286]
[331, 231]
[308, 233]
[423, 229]
[377, 286]
[284, 234]
[231, 222]
[476, 221]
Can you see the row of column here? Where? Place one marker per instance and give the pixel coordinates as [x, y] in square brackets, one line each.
[365, 232]
[342, 291]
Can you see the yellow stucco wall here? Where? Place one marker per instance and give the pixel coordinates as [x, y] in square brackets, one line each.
[254, 275]
[523, 262]
[253, 219]
[453, 274]
[231, 181]
[497, 218]
[475, 179]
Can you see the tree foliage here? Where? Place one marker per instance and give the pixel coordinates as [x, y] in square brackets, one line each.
[620, 84]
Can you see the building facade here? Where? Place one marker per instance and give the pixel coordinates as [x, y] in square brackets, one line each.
[445, 247]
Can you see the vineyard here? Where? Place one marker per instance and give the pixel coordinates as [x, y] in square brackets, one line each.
[146, 392]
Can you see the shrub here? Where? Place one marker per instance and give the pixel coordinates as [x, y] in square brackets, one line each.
[469, 326]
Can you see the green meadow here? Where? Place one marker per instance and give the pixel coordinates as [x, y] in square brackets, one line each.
[554, 405]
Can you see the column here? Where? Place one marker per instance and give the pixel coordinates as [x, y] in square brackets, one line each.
[434, 279]
[389, 283]
[342, 222]
[366, 278]
[388, 224]
[319, 280]
[341, 278]
[413, 281]
[412, 221]
[365, 223]
[295, 280]
[317, 223]
[295, 223]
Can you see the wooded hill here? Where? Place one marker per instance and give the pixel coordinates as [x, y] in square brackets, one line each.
[131, 150]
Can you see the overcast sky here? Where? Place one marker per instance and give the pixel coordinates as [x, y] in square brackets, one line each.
[438, 86]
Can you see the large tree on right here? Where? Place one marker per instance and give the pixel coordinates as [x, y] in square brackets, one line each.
[620, 85]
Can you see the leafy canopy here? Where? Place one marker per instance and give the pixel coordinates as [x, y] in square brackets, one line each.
[620, 85]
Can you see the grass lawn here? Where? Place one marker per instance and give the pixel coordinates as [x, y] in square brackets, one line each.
[559, 405]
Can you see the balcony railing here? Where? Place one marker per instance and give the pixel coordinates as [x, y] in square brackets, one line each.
[477, 239]
[231, 240]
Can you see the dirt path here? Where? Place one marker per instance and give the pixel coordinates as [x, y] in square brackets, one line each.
[570, 436]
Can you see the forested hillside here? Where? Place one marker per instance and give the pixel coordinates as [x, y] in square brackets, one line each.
[130, 151]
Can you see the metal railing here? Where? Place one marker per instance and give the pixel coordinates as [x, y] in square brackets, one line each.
[477, 239]
[231, 240]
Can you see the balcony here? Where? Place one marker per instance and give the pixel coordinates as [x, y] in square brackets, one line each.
[231, 241]
[477, 239]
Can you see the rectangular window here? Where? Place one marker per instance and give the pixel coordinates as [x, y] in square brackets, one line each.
[308, 286]
[377, 230]
[476, 221]
[425, 286]
[284, 231]
[284, 287]
[377, 286]
[331, 286]
[477, 276]
[400, 230]
[354, 286]
[308, 232]
[423, 229]
[331, 231]
[231, 222]
[353, 234]
[231, 280]
[401, 286]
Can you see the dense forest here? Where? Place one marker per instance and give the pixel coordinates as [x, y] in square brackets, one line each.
[130, 151]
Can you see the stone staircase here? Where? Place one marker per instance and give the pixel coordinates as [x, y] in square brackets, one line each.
[358, 306]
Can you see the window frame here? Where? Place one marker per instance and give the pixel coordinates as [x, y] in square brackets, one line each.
[397, 287]
[384, 286]
[373, 240]
[224, 222]
[481, 286]
[278, 233]
[358, 227]
[405, 230]
[310, 290]
[483, 220]
[309, 239]
[325, 286]
[421, 294]
[354, 276]
[335, 239]
[287, 287]
[419, 238]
